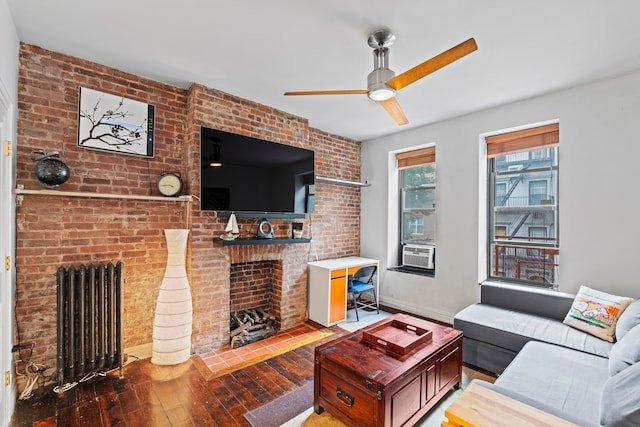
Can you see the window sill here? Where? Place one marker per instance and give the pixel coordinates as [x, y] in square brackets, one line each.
[414, 270]
[494, 281]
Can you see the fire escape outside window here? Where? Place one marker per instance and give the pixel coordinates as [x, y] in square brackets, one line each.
[523, 206]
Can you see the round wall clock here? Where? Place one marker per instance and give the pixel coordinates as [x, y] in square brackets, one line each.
[170, 184]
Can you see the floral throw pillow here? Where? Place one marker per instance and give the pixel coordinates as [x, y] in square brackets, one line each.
[596, 312]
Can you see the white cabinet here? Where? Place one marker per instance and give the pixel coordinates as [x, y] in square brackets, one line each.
[327, 299]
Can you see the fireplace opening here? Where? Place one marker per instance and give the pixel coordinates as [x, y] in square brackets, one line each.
[249, 326]
[254, 303]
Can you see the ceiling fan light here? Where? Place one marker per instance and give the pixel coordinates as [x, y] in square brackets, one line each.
[377, 83]
[381, 94]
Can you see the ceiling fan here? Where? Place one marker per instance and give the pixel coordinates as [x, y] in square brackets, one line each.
[382, 83]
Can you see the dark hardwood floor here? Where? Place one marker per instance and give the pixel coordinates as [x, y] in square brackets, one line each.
[151, 395]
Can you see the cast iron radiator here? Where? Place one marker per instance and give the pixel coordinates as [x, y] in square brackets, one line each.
[89, 320]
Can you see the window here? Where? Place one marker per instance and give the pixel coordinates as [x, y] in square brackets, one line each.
[310, 197]
[501, 192]
[537, 192]
[536, 233]
[523, 204]
[418, 204]
[415, 226]
[501, 230]
[417, 180]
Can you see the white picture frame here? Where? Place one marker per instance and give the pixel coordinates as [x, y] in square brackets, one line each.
[114, 123]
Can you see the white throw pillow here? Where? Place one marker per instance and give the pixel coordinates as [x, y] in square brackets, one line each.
[596, 312]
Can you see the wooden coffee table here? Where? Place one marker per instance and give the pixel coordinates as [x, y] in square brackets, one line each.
[388, 374]
[478, 406]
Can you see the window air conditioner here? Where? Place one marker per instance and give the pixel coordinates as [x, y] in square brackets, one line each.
[420, 256]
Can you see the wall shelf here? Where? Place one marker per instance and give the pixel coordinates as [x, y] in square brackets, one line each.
[102, 195]
[274, 241]
[342, 182]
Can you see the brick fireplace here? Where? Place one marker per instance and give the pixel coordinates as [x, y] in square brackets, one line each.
[256, 284]
[255, 294]
[272, 277]
[60, 230]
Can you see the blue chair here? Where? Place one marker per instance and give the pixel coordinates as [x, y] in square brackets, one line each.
[360, 283]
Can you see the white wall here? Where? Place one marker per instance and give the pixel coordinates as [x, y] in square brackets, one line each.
[9, 47]
[599, 196]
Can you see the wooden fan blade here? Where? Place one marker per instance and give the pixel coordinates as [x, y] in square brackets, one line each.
[433, 64]
[394, 110]
[329, 92]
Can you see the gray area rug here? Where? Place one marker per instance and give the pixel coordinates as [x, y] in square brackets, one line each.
[290, 405]
[284, 408]
[366, 318]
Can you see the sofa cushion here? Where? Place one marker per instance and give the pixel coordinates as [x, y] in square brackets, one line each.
[512, 330]
[527, 299]
[629, 318]
[620, 405]
[625, 352]
[562, 378]
[486, 356]
[596, 312]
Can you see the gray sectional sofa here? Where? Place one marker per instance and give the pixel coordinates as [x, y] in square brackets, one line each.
[518, 333]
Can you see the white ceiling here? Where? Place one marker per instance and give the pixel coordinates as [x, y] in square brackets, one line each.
[258, 49]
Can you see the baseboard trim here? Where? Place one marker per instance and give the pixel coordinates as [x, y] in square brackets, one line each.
[429, 312]
[142, 351]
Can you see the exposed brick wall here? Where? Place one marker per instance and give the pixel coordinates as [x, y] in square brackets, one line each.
[61, 230]
[250, 285]
[55, 231]
[334, 227]
[336, 221]
[255, 285]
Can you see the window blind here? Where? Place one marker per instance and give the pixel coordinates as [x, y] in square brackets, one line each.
[523, 140]
[420, 157]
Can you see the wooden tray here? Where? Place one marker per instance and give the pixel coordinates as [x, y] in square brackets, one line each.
[397, 336]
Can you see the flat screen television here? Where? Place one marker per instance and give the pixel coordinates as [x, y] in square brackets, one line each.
[244, 174]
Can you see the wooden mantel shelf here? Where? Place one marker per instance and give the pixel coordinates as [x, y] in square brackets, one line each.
[103, 195]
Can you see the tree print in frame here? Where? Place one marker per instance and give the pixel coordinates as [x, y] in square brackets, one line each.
[115, 123]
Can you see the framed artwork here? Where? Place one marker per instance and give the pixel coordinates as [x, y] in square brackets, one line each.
[114, 123]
